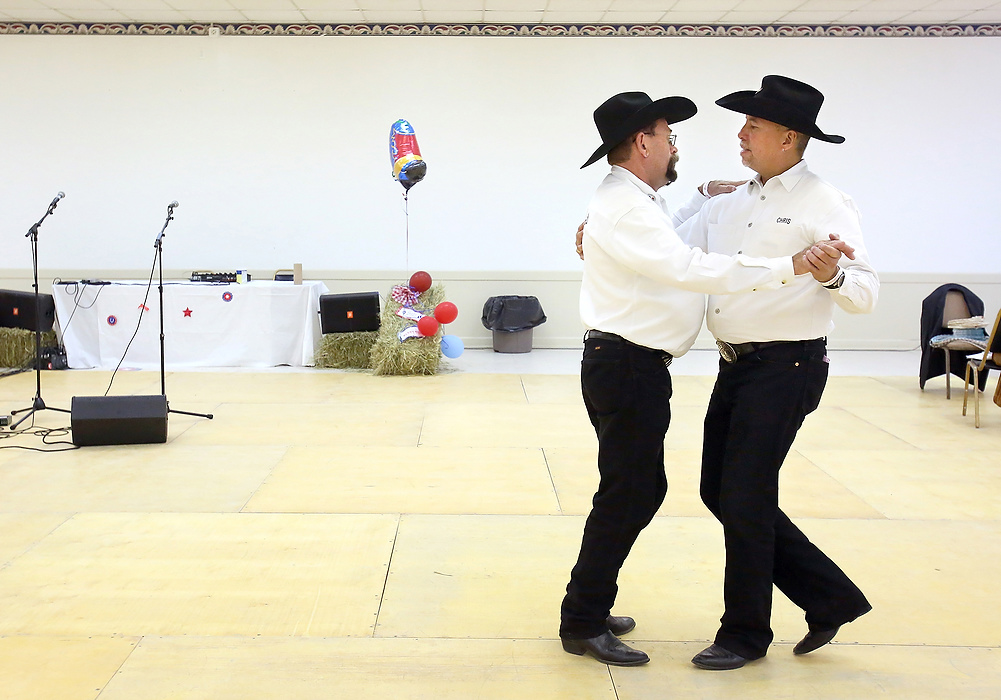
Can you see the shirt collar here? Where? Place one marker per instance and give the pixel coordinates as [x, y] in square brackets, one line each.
[787, 179]
[628, 175]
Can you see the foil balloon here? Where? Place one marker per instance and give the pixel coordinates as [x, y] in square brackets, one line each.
[405, 155]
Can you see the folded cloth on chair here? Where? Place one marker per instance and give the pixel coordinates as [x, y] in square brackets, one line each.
[971, 322]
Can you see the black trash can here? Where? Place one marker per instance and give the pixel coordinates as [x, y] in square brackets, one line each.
[511, 319]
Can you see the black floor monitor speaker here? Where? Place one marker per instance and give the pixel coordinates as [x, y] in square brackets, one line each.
[119, 420]
[343, 313]
[17, 310]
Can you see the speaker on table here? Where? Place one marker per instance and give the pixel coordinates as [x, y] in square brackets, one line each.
[118, 420]
[17, 310]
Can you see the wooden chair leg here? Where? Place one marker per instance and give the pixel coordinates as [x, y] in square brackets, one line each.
[966, 386]
[948, 371]
[976, 397]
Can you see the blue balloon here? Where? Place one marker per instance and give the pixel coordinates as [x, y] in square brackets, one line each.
[451, 346]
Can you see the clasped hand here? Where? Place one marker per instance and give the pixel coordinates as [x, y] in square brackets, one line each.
[821, 259]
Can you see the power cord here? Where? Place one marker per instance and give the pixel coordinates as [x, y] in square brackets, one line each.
[44, 433]
[76, 289]
[149, 286]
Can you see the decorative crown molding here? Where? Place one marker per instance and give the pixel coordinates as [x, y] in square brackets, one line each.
[493, 30]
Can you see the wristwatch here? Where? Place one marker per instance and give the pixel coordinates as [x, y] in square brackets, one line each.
[836, 281]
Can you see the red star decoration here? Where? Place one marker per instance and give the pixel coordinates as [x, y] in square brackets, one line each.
[187, 313]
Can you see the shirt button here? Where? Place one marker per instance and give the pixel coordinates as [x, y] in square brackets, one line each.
[717, 310]
[739, 252]
[750, 225]
[783, 281]
[762, 197]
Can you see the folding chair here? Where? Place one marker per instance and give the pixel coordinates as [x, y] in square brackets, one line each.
[950, 343]
[985, 364]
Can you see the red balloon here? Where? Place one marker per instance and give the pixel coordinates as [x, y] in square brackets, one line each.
[421, 281]
[427, 326]
[446, 312]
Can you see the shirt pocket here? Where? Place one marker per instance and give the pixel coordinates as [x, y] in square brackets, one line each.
[777, 240]
[725, 238]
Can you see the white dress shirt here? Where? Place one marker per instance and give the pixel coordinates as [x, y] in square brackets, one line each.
[785, 215]
[642, 282]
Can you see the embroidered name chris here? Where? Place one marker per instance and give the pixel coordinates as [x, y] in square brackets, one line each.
[783, 220]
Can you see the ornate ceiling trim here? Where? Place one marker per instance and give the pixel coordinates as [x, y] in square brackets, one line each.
[494, 30]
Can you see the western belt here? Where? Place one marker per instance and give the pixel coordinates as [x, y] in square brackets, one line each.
[731, 352]
[602, 335]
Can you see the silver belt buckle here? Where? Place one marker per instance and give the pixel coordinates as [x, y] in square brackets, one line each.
[726, 351]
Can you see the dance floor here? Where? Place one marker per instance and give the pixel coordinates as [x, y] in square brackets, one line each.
[340, 535]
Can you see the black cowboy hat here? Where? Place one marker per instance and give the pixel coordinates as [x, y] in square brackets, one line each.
[621, 116]
[785, 101]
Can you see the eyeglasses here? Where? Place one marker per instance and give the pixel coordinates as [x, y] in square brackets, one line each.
[673, 138]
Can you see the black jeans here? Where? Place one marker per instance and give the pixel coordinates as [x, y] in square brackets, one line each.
[627, 392]
[757, 406]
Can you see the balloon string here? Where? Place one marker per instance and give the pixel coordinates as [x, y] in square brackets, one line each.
[406, 215]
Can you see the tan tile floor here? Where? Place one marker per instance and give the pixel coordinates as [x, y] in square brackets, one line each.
[339, 535]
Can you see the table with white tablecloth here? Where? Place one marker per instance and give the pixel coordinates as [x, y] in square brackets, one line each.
[256, 324]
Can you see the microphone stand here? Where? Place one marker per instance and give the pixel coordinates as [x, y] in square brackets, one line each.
[38, 404]
[159, 261]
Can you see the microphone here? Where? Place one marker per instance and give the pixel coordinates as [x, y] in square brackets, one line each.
[170, 217]
[58, 196]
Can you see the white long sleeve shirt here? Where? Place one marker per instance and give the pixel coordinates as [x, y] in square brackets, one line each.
[785, 215]
[642, 282]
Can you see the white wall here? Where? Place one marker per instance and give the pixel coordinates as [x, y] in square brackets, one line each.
[276, 147]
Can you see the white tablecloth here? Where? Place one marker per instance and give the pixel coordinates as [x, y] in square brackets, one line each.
[259, 324]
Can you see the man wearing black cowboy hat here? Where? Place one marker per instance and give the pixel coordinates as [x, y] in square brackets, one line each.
[637, 271]
[773, 370]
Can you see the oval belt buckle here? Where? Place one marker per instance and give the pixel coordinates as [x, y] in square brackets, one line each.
[726, 351]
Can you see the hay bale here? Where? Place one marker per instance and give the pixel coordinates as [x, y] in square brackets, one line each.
[415, 356]
[346, 350]
[17, 346]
